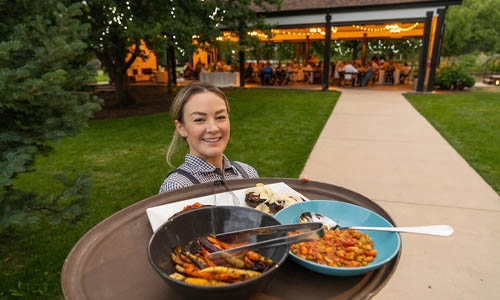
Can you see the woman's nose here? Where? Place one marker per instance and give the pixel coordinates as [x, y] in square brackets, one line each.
[212, 125]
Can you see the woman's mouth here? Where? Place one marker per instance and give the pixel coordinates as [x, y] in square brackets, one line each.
[212, 140]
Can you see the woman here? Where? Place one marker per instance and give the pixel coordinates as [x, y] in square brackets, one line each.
[201, 118]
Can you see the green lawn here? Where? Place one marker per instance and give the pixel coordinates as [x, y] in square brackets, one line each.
[470, 122]
[126, 158]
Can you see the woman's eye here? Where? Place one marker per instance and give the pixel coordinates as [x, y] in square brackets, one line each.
[199, 120]
[222, 117]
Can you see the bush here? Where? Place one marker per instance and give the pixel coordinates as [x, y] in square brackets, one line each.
[453, 77]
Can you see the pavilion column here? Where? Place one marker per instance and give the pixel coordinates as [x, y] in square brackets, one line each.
[364, 46]
[422, 65]
[326, 56]
[241, 57]
[307, 49]
[298, 52]
[436, 48]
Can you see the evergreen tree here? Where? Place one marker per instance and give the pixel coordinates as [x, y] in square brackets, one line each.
[44, 70]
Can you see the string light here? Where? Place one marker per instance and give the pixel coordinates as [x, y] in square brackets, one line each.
[318, 31]
[392, 28]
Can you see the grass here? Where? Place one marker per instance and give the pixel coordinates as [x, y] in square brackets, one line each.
[126, 158]
[470, 122]
[101, 76]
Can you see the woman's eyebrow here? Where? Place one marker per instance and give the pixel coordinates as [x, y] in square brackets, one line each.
[205, 114]
[198, 113]
[221, 111]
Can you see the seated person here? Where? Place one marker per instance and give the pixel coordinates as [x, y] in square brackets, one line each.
[372, 70]
[281, 75]
[268, 76]
[348, 70]
[389, 68]
[405, 72]
[249, 73]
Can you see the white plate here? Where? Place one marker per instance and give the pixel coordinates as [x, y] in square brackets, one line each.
[158, 215]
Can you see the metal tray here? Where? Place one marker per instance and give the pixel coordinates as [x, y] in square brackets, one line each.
[110, 261]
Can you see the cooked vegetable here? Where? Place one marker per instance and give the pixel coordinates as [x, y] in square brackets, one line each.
[346, 248]
[197, 281]
[196, 268]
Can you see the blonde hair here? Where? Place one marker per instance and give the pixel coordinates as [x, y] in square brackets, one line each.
[177, 109]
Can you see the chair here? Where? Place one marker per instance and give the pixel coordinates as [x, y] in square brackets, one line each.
[317, 77]
[389, 77]
[347, 78]
[403, 78]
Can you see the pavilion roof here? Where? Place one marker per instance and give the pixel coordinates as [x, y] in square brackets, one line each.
[309, 6]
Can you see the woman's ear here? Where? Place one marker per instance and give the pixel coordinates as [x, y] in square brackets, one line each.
[180, 128]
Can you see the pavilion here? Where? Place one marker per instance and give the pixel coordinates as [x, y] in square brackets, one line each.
[312, 20]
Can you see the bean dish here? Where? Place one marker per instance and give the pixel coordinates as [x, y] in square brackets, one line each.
[338, 248]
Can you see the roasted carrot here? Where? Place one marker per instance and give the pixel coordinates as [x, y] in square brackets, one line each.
[197, 281]
[209, 262]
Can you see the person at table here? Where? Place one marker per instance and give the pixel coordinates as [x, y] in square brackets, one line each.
[198, 69]
[350, 72]
[370, 73]
[201, 119]
[405, 72]
[338, 69]
[309, 72]
[388, 67]
[188, 71]
[249, 73]
[268, 74]
[281, 74]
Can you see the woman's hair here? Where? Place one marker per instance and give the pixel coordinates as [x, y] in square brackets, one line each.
[177, 108]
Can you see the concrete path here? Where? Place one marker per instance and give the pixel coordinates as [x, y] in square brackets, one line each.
[375, 143]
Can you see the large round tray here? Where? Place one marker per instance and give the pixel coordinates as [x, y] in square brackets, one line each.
[110, 261]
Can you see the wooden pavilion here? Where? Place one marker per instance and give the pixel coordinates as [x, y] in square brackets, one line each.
[305, 21]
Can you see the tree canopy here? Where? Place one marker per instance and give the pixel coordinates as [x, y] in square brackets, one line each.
[472, 27]
[119, 26]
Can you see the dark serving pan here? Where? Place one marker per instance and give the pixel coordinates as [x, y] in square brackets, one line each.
[110, 261]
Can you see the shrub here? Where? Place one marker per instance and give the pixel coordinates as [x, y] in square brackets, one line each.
[453, 77]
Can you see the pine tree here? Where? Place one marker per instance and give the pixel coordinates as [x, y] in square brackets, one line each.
[44, 71]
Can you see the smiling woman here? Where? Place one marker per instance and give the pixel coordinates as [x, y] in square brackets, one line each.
[201, 118]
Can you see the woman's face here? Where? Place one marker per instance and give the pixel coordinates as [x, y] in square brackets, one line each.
[206, 126]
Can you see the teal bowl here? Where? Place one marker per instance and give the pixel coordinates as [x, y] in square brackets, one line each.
[387, 244]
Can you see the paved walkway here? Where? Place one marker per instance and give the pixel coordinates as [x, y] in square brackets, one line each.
[378, 145]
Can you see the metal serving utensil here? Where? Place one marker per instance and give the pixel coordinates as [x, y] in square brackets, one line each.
[264, 237]
[236, 201]
[441, 230]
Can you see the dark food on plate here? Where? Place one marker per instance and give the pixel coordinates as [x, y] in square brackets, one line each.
[338, 248]
[253, 199]
[196, 268]
[264, 199]
[257, 195]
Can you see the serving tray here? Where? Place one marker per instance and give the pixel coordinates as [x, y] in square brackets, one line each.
[110, 261]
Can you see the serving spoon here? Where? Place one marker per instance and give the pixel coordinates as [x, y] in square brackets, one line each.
[441, 230]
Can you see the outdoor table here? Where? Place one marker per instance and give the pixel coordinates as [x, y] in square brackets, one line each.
[111, 262]
[297, 75]
[221, 79]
